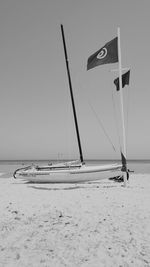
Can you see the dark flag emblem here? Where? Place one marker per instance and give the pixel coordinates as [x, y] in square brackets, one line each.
[125, 80]
[107, 54]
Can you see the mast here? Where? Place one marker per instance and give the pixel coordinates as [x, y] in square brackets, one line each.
[122, 109]
[71, 94]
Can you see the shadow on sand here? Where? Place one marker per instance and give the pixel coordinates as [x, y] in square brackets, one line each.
[99, 185]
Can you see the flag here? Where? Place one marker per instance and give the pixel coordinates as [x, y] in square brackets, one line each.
[107, 54]
[125, 80]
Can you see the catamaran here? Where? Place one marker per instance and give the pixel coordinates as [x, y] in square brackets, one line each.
[78, 171]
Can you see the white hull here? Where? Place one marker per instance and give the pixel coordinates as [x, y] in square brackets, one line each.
[70, 175]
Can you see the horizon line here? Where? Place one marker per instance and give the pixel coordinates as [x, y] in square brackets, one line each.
[130, 159]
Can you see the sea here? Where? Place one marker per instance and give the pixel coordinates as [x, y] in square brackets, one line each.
[7, 167]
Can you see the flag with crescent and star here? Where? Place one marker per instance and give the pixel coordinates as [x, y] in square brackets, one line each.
[107, 54]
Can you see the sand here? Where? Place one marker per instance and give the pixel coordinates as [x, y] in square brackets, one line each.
[89, 225]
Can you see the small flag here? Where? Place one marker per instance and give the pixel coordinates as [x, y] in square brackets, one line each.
[125, 80]
[107, 54]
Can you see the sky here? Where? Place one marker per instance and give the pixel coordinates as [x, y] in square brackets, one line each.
[36, 116]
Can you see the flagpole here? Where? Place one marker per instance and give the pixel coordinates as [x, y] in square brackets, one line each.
[121, 102]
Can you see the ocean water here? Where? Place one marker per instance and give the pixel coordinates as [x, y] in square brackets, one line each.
[8, 167]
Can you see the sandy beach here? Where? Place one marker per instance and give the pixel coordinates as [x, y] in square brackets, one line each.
[89, 225]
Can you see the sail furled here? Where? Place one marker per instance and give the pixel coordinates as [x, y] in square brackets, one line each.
[107, 54]
[125, 80]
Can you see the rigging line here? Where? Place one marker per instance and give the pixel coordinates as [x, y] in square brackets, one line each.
[102, 126]
[100, 122]
[116, 121]
[128, 103]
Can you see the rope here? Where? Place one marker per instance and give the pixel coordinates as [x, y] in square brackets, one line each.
[98, 119]
[116, 121]
[102, 126]
[128, 103]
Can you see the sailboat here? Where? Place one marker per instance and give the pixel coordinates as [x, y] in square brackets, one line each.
[74, 171]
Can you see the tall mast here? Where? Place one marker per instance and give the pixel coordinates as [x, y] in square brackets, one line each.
[71, 94]
[122, 109]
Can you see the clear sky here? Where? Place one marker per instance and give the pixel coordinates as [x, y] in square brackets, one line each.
[35, 110]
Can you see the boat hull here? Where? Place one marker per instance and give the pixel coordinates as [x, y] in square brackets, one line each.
[80, 175]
